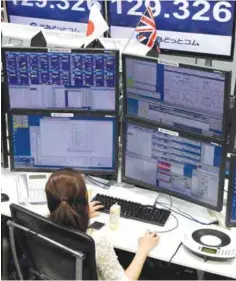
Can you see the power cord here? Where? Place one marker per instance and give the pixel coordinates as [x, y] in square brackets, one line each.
[170, 208]
[96, 182]
[185, 215]
[176, 251]
[176, 226]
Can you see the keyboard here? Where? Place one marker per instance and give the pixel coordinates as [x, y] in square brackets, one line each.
[135, 211]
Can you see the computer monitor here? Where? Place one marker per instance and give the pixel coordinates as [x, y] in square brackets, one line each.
[62, 79]
[46, 141]
[231, 200]
[233, 132]
[174, 163]
[180, 96]
[4, 149]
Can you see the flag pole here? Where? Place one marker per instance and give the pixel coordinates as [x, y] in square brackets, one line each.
[112, 39]
[134, 31]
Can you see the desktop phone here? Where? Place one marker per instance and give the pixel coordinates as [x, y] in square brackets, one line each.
[31, 188]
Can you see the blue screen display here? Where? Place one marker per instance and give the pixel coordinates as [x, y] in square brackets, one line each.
[70, 15]
[83, 81]
[193, 26]
[83, 143]
[177, 96]
[163, 159]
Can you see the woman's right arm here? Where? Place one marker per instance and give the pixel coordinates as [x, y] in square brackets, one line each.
[146, 244]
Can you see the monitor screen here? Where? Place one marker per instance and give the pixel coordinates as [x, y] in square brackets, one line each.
[167, 161]
[234, 130]
[62, 79]
[202, 28]
[231, 201]
[46, 142]
[63, 15]
[180, 96]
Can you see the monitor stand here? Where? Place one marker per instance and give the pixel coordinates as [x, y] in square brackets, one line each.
[123, 184]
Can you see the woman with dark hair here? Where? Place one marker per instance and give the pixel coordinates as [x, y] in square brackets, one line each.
[68, 205]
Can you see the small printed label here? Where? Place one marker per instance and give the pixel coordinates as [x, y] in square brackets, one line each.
[168, 132]
[59, 50]
[166, 62]
[62, 115]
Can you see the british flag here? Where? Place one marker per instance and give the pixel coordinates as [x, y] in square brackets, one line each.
[146, 29]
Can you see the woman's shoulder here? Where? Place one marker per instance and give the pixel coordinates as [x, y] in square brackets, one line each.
[100, 237]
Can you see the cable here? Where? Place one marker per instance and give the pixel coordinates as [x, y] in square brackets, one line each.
[98, 183]
[176, 251]
[187, 216]
[182, 213]
[170, 208]
[93, 181]
[176, 226]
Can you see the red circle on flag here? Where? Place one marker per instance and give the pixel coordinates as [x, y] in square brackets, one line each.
[90, 28]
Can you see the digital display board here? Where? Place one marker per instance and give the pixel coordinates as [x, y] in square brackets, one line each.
[70, 15]
[200, 27]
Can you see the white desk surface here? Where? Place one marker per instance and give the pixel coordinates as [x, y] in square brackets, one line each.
[126, 237]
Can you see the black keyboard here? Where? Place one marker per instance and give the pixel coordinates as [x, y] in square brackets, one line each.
[135, 211]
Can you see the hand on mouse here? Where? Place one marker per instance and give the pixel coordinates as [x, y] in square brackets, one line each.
[93, 208]
[148, 242]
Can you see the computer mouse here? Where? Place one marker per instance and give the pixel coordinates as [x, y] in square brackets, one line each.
[4, 197]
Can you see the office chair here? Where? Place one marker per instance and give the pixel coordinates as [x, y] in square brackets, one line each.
[52, 251]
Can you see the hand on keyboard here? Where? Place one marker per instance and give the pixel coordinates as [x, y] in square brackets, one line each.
[94, 206]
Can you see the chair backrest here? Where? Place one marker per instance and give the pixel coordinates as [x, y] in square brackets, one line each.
[45, 258]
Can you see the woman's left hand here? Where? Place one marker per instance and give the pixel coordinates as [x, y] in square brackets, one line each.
[93, 208]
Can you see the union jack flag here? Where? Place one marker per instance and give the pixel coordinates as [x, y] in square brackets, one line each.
[146, 29]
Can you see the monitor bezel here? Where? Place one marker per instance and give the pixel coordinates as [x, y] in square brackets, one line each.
[4, 137]
[228, 221]
[227, 89]
[113, 173]
[67, 51]
[232, 142]
[144, 185]
[196, 54]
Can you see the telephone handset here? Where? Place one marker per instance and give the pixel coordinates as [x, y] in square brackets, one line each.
[31, 188]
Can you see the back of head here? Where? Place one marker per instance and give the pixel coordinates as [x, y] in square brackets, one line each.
[67, 199]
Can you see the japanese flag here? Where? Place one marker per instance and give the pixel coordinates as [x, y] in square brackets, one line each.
[96, 25]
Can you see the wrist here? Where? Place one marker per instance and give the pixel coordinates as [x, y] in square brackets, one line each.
[142, 252]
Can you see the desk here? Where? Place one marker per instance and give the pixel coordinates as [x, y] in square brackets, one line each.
[126, 238]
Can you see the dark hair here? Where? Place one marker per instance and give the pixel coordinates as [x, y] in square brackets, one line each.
[67, 199]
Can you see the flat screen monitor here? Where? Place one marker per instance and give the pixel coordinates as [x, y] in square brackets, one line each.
[49, 141]
[185, 97]
[63, 15]
[192, 28]
[233, 129]
[174, 163]
[4, 148]
[62, 79]
[231, 200]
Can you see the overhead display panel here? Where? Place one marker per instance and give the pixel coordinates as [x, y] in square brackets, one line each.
[67, 15]
[200, 27]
